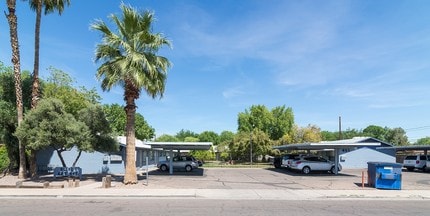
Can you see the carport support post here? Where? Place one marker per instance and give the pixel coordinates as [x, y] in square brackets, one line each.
[171, 162]
[147, 170]
[336, 161]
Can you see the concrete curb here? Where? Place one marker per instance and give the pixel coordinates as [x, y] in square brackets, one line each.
[224, 194]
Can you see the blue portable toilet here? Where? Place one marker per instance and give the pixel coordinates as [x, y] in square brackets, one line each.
[384, 175]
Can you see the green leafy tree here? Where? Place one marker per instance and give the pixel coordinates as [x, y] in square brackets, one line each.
[167, 138]
[226, 136]
[225, 140]
[117, 119]
[397, 137]
[276, 122]
[49, 125]
[282, 122]
[7, 88]
[191, 139]
[209, 136]
[4, 159]
[257, 117]
[8, 124]
[129, 59]
[16, 61]
[329, 136]
[240, 148]
[60, 86]
[182, 134]
[101, 138]
[374, 131]
[423, 141]
[312, 133]
[203, 155]
[8, 116]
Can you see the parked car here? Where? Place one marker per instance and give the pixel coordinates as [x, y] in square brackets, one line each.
[199, 162]
[412, 162]
[179, 162]
[284, 161]
[306, 164]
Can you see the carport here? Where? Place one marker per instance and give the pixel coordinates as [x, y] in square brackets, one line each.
[178, 146]
[329, 145]
[424, 148]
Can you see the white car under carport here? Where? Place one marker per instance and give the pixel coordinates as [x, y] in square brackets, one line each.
[179, 146]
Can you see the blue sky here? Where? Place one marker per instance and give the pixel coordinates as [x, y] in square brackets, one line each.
[366, 61]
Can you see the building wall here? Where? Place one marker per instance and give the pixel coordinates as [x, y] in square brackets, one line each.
[95, 162]
[91, 163]
[359, 158]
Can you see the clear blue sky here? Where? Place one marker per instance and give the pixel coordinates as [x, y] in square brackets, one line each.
[367, 61]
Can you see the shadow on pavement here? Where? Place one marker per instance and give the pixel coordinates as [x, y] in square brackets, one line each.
[313, 173]
[178, 172]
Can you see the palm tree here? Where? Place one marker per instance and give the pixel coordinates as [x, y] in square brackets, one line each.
[129, 60]
[49, 7]
[13, 26]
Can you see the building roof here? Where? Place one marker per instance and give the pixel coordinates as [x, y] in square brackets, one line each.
[139, 143]
[167, 145]
[338, 144]
[408, 148]
[181, 145]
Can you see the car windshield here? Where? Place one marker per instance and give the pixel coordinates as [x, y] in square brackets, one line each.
[411, 157]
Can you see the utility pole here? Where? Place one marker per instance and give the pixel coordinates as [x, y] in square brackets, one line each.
[250, 143]
[340, 128]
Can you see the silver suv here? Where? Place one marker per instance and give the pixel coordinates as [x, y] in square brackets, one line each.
[415, 161]
[179, 162]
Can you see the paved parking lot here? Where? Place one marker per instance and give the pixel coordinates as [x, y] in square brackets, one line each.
[257, 178]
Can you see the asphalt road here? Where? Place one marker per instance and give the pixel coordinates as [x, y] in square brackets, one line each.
[178, 207]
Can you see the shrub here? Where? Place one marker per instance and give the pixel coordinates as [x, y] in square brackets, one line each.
[4, 159]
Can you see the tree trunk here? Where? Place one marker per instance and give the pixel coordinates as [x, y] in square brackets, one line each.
[77, 158]
[33, 164]
[130, 167]
[35, 87]
[61, 157]
[13, 25]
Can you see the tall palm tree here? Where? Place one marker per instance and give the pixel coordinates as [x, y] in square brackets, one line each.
[49, 6]
[129, 59]
[13, 26]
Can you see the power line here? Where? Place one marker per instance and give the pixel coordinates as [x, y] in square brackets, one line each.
[418, 128]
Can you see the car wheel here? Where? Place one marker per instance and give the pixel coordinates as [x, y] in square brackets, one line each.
[163, 168]
[424, 168]
[188, 168]
[306, 170]
[410, 169]
[333, 169]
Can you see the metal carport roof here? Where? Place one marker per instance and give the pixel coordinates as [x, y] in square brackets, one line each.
[170, 146]
[335, 145]
[424, 148]
[180, 145]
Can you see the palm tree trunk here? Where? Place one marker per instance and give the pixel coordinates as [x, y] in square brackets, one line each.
[13, 25]
[35, 87]
[130, 166]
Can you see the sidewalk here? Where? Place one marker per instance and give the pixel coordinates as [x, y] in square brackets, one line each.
[228, 184]
[224, 194]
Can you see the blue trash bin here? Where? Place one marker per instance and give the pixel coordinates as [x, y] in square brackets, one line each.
[384, 175]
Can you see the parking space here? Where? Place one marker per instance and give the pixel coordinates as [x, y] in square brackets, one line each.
[256, 178]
